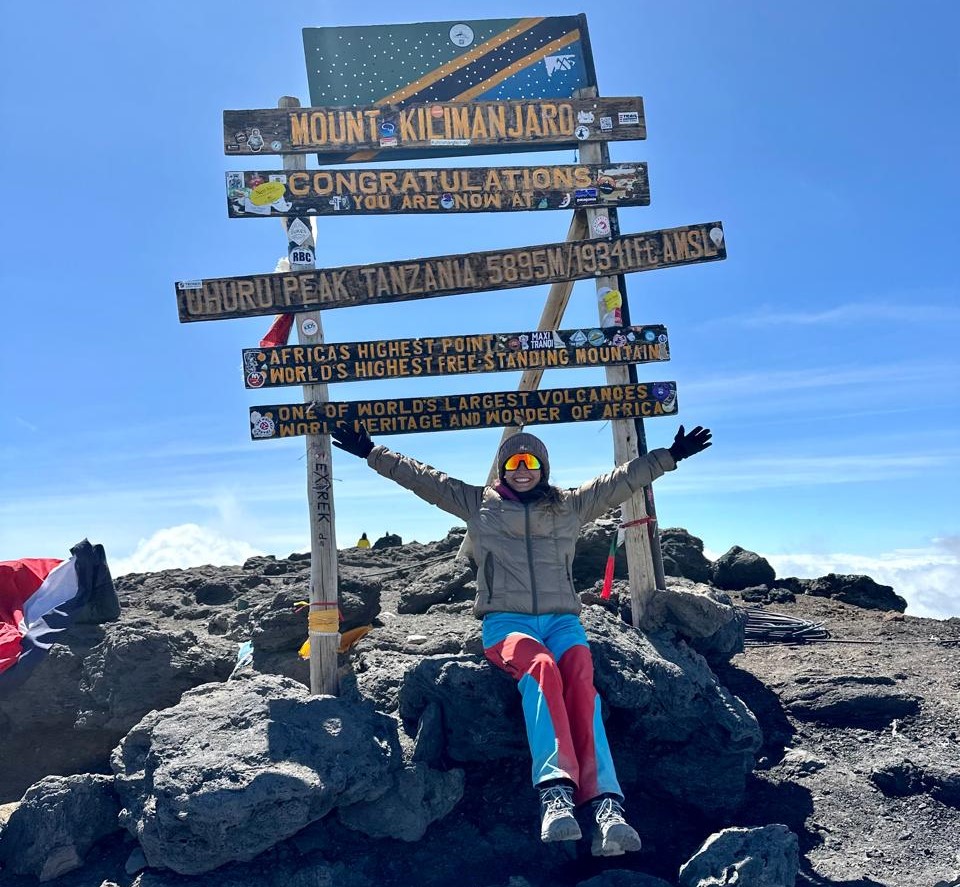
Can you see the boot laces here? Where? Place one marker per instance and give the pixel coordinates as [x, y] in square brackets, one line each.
[608, 811]
[557, 799]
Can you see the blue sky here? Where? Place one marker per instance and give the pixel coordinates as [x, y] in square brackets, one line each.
[822, 352]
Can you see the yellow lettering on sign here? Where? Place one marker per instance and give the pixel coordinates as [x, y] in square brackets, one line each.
[299, 129]
[497, 120]
[532, 127]
[479, 130]
[298, 184]
[549, 112]
[516, 127]
[460, 120]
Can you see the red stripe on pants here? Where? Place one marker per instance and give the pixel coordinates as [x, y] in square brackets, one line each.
[568, 691]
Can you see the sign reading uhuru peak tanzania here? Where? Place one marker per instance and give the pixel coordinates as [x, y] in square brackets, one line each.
[454, 61]
[448, 412]
[453, 355]
[378, 283]
[265, 193]
[550, 123]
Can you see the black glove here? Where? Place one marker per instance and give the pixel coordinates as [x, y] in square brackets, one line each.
[685, 445]
[356, 442]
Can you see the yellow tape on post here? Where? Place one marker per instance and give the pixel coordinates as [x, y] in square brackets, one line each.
[324, 621]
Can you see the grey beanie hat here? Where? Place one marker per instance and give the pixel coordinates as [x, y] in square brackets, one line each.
[524, 443]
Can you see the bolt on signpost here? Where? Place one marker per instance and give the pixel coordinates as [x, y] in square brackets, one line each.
[475, 100]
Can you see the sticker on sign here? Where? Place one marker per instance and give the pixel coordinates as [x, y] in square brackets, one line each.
[302, 255]
[298, 232]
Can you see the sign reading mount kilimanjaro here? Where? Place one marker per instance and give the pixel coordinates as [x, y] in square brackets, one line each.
[548, 123]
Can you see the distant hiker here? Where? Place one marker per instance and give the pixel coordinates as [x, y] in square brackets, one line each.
[523, 533]
[363, 541]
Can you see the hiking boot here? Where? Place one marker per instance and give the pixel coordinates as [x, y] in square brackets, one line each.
[557, 822]
[612, 836]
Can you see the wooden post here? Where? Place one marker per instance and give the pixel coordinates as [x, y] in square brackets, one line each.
[324, 619]
[550, 319]
[626, 443]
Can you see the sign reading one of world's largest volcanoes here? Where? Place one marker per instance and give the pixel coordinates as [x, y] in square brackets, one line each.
[447, 412]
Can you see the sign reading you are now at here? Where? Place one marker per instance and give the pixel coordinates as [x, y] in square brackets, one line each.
[260, 194]
[382, 282]
[448, 412]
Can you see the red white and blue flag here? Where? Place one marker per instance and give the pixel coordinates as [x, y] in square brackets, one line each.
[41, 597]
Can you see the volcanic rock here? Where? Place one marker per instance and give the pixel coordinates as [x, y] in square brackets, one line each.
[861, 591]
[758, 857]
[739, 568]
[235, 768]
[683, 555]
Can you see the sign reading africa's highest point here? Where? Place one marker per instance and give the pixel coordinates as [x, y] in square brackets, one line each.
[286, 292]
[452, 355]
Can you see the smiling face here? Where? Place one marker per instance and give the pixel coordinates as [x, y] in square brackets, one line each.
[522, 478]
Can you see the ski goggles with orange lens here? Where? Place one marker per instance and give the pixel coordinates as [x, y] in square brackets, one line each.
[515, 461]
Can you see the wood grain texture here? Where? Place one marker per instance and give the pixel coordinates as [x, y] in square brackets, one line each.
[450, 412]
[423, 128]
[262, 294]
[452, 355]
[262, 194]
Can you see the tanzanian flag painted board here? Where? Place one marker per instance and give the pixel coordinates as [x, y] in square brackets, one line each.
[459, 60]
[453, 412]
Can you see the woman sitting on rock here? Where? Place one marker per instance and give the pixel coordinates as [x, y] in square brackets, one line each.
[523, 533]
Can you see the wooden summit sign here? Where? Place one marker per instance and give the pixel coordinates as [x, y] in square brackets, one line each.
[286, 292]
[447, 412]
[265, 193]
[452, 355]
[549, 123]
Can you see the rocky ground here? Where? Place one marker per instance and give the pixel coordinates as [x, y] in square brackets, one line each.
[859, 756]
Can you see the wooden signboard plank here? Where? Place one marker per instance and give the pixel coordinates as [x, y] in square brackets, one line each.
[424, 127]
[453, 355]
[259, 194]
[448, 412]
[284, 292]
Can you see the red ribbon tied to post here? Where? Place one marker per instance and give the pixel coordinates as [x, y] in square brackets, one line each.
[612, 557]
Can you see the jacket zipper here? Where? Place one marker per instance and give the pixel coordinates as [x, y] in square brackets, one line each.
[488, 575]
[533, 581]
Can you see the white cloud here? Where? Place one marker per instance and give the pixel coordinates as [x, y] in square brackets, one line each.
[928, 578]
[849, 313]
[187, 545]
[762, 473]
[734, 386]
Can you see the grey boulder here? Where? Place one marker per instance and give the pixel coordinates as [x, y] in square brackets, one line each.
[758, 857]
[860, 591]
[683, 555]
[57, 823]
[235, 768]
[682, 735]
[434, 584]
[738, 568]
[417, 797]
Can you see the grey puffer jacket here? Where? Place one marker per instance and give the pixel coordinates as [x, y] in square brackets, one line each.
[524, 552]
